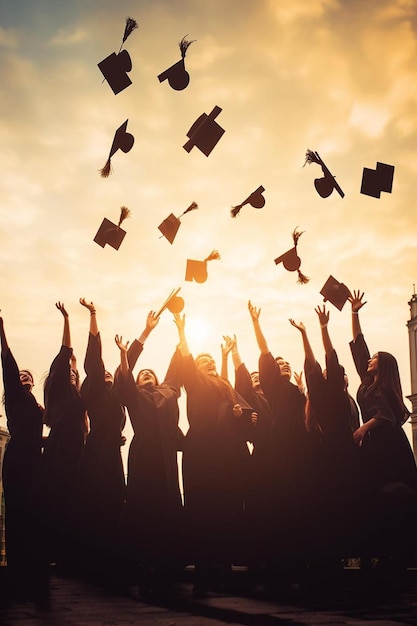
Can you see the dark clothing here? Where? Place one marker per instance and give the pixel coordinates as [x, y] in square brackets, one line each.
[334, 519]
[152, 512]
[387, 451]
[288, 463]
[56, 478]
[389, 468]
[258, 474]
[21, 459]
[215, 465]
[101, 483]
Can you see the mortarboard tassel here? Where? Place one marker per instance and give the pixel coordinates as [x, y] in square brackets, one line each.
[213, 256]
[302, 279]
[192, 207]
[124, 213]
[296, 235]
[131, 25]
[184, 44]
[235, 210]
[311, 157]
[106, 170]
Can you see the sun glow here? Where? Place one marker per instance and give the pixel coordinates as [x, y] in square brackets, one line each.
[199, 335]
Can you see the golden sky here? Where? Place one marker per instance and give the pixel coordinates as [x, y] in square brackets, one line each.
[337, 77]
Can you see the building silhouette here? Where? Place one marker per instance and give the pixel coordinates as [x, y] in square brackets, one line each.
[412, 339]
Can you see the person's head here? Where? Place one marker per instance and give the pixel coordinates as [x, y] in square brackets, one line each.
[26, 379]
[384, 368]
[256, 385]
[147, 378]
[205, 363]
[108, 378]
[75, 378]
[284, 367]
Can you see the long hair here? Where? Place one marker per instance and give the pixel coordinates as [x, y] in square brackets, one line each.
[388, 380]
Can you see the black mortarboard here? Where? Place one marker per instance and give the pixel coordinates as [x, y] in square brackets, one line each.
[205, 132]
[177, 75]
[173, 303]
[335, 292]
[112, 233]
[255, 199]
[197, 270]
[291, 261]
[324, 186]
[376, 181]
[169, 227]
[114, 68]
[122, 141]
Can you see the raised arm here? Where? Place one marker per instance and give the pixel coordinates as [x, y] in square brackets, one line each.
[357, 303]
[323, 317]
[226, 348]
[182, 345]
[93, 317]
[255, 313]
[3, 340]
[66, 335]
[308, 351]
[137, 345]
[123, 347]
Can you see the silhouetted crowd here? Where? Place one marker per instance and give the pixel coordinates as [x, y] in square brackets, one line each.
[324, 478]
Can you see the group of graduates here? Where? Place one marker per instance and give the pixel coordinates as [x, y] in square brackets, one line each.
[325, 478]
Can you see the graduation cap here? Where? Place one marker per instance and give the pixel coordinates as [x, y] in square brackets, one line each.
[335, 292]
[114, 69]
[291, 260]
[197, 270]
[123, 141]
[115, 66]
[205, 132]
[169, 227]
[375, 181]
[177, 75]
[324, 186]
[112, 233]
[255, 199]
[173, 303]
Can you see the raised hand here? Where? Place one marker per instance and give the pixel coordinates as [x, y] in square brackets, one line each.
[229, 344]
[300, 326]
[151, 320]
[254, 312]
[356, 301]
[179, 321]
[323, 315]
[299, 381]
[119, 342]
[60, 306]
[88, 305]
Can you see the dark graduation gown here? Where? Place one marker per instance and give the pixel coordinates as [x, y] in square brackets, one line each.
[389, 468]
[288, 462]
[56, 478]
[215, 466]
[335, 462]
[151, 518]
[21, 459]
[258, 435]
[101, 482]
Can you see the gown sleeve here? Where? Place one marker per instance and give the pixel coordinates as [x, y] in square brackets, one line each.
[269, 375]
[361, 355]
